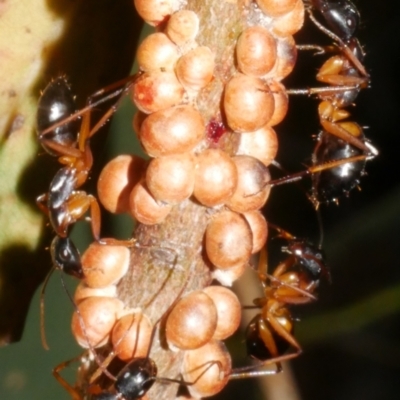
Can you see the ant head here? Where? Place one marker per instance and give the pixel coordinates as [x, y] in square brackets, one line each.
[310, 257]
[66, 256]
[341, 16]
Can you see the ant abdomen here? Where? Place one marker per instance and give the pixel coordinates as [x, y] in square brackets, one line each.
[330, 184]
[256, 345]
[55, 104]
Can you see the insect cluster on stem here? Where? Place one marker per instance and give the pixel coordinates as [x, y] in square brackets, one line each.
[206, 119]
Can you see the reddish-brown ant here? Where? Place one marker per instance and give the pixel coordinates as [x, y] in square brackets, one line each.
[294, 281]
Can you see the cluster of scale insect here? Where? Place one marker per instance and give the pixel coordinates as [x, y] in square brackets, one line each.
[189, 160]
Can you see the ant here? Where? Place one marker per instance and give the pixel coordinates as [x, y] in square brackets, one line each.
[294, 281]
[341, 151]
[61, 135]
[66, 258]
[336, 170]
[135, 379]
[343, 19]
[64, 203]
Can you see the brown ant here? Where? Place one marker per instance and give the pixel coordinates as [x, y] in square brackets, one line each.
[294, 281]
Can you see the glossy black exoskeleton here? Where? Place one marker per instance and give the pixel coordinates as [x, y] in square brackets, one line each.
[66, 257]
[55, 104]
[341, 16]
[330, 184]
[136, 378]
[309, 256]
[61, 189]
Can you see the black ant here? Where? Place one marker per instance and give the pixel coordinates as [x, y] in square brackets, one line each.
[61, 135]
[64, 203]
[136, 377]
[343, 19]
[66, 258]
[341, 152]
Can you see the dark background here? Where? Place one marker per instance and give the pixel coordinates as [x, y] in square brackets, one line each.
[350, 337]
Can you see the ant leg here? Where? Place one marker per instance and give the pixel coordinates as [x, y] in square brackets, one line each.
[41, 202]
[256, 371]
[317, 168]
[312, 47]
[56, 373]
[335, 71]
[42, 324]
[126, 83]
[283, 267]
[291, 294]
[262, 267]
[84, 132]
[278, 328]
[95, 217]
[69, 152]
[198, 367]
[103, 367]
[281, 232]
[84, 110]
[326, 90]
[349, 54]
[339, 131]
[78, 204]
